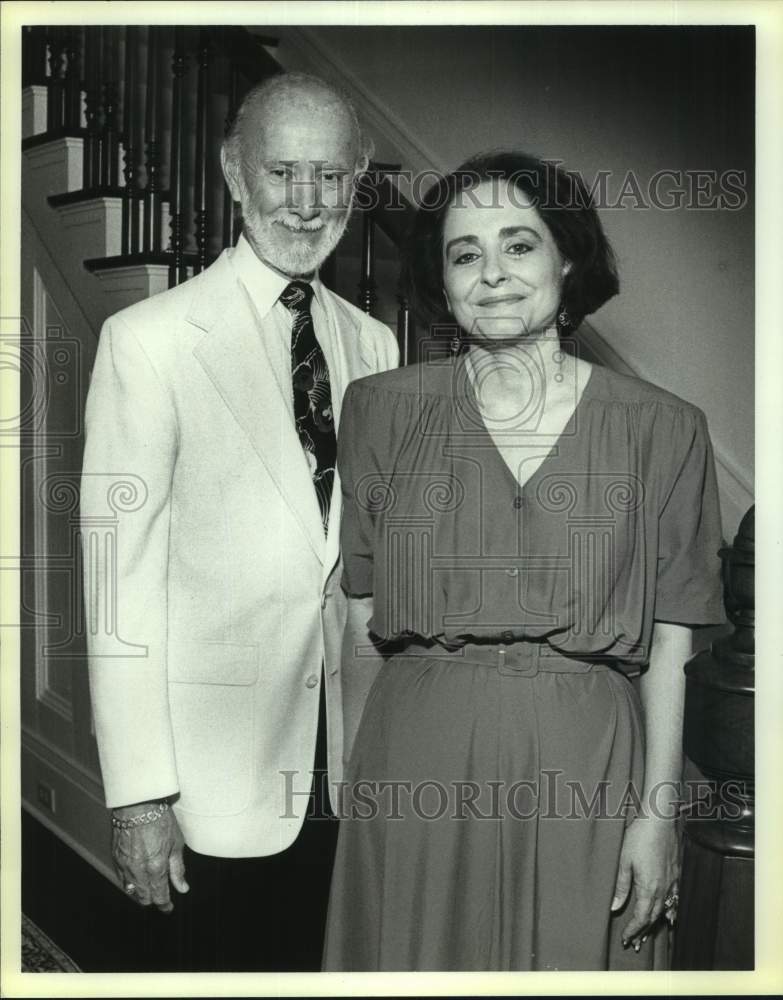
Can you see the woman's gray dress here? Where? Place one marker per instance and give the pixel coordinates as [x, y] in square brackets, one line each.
[501, 750]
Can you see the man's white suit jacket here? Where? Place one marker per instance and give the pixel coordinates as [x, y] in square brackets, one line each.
[211, 616]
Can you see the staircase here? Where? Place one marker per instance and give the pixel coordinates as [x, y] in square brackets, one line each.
[122, 129]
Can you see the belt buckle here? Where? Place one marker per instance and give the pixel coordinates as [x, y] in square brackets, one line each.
[523, 670]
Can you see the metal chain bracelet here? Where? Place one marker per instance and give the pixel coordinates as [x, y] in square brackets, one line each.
[142, 818]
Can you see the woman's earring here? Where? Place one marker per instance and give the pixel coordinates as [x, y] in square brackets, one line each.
[563, 319]
[454, 344]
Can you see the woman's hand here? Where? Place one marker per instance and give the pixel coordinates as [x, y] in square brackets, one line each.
[650, 861]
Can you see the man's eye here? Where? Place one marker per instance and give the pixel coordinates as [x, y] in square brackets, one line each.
[280, 172]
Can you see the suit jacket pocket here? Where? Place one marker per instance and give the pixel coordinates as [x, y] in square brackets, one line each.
[194, 662]
[213, 721]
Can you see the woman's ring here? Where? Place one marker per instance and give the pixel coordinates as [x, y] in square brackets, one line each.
[130, 887]
[671, 900]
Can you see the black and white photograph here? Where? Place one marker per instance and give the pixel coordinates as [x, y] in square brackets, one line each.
[383, 390]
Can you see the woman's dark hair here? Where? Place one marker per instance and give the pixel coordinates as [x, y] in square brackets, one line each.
[563, 203]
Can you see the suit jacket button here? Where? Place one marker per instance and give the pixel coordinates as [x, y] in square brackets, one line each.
[312, 681]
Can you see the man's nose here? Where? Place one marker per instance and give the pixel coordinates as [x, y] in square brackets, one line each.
[305, 199]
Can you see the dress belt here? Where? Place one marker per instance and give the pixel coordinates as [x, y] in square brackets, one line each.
[516, 659]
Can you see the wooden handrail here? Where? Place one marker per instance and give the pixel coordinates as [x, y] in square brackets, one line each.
[246, 52]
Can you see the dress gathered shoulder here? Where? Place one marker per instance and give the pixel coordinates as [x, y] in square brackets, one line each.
[485, 804]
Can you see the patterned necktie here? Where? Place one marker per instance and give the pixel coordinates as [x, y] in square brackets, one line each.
[312, 394]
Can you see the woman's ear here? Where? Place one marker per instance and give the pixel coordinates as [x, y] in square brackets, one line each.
[565, 268]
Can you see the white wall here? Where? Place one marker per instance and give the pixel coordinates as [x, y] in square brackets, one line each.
[618, 100]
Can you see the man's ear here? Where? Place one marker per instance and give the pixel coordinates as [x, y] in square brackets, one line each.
[231, 174]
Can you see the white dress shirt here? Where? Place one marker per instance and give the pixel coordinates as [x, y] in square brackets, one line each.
[264, 287]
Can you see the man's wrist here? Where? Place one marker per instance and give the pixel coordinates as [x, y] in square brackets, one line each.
[150, 815]
[137, 808]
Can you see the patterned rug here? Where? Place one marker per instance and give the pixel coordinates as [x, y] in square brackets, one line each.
[40, 953]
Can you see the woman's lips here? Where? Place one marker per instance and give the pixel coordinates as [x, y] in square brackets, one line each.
[501, 300]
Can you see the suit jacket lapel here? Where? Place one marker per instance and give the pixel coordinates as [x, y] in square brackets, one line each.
[350, 358]
[235, 359]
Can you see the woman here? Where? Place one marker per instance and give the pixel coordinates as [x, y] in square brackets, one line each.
[523, 533]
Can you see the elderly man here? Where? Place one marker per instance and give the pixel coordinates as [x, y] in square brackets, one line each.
[218, 400]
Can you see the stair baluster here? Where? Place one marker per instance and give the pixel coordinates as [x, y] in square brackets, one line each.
[202, 185]
[130, 207]
[56, 89]
[109, 141]
[151, 237]
[73, 80]
[177, 270]
[92, 141]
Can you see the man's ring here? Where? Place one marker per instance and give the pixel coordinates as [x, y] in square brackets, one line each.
[671, 900]
[130, 887]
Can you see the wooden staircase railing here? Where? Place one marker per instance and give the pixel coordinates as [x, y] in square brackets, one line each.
[151, 105]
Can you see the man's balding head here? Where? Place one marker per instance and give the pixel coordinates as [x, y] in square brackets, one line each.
[291, 159]
[288, 95]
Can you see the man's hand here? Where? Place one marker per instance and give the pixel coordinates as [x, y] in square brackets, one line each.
[148, 855]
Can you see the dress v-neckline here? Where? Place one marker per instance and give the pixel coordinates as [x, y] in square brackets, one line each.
[555, 447]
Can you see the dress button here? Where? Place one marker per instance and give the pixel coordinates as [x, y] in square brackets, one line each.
[518, 501]
[312, 681]
[507, 636]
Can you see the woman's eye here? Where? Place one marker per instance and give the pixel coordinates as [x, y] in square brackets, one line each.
[519, 248]
[465, 258]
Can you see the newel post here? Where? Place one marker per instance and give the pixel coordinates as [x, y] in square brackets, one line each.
[715, 927]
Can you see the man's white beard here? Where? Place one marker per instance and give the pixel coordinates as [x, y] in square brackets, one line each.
[274, 243]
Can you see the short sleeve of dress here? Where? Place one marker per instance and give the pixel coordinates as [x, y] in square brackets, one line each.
[354, 465]
[688, 586]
